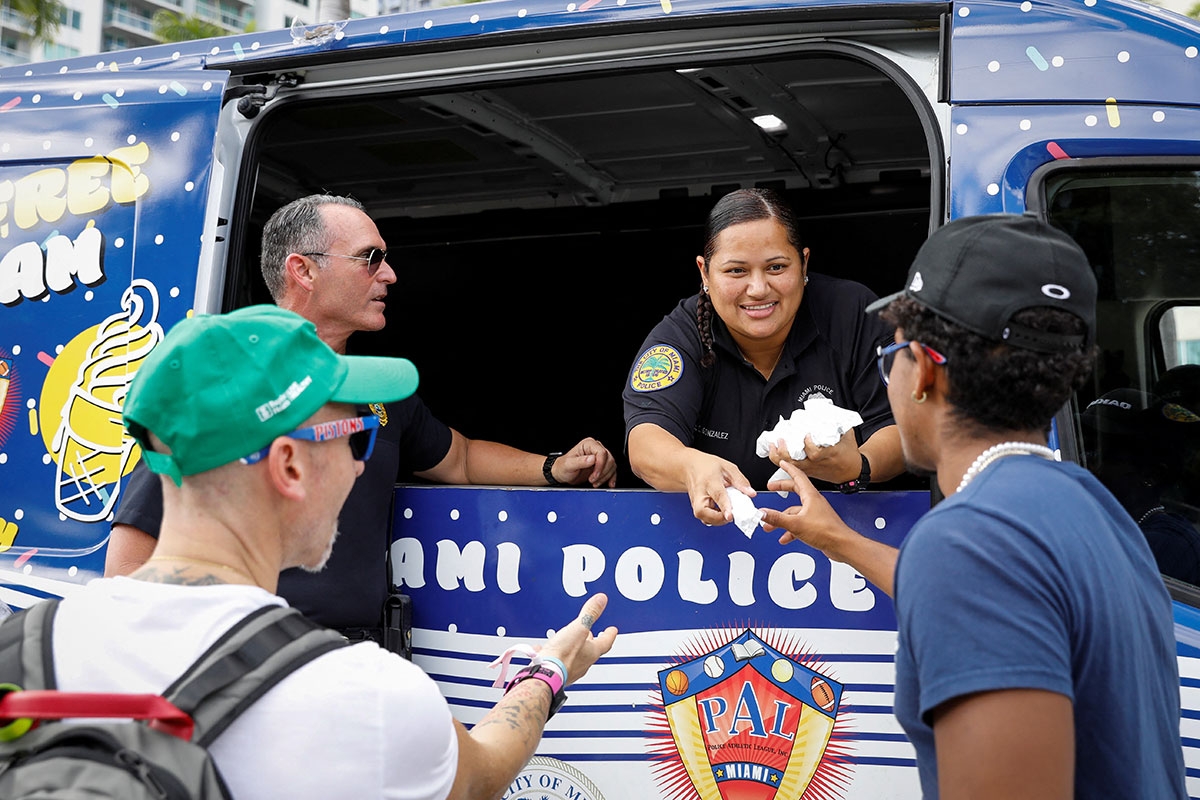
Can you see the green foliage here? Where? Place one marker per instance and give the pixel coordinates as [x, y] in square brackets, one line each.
[1194, 11]
[43, 16]
[170, 26]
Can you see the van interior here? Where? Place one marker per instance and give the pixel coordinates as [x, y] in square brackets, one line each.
[541, 226]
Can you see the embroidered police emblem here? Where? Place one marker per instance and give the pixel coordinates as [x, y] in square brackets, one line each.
[657, 368]
[380, 411]
[1177, 413]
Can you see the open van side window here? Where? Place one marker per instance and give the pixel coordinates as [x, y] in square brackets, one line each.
[1137, 422]
[541, 227]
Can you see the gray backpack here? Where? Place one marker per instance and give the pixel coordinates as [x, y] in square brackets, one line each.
[163, 752]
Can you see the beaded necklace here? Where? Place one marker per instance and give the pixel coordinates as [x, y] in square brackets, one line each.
[1151, 512]
[1000, 451]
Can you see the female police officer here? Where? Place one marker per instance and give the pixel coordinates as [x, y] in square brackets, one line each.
[762, 337]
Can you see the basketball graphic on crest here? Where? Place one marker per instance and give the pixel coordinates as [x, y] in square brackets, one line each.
[676, 682]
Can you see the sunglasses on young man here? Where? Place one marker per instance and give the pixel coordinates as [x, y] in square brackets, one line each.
[885, 356]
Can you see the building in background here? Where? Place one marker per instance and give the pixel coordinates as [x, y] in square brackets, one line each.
[100, 26]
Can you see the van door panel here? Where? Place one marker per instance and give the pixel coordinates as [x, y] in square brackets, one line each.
[103, 187]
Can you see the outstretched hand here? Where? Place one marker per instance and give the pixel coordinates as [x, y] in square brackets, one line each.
[708, 477]
[813, 522]
[589, 461]
[575, 645]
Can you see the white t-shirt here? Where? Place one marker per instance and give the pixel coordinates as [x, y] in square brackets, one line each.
[356, 722]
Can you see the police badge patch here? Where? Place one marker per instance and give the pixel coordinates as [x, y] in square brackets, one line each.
[657, 368]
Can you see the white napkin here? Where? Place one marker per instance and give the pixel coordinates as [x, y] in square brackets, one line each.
[820, 418]
[745, 515]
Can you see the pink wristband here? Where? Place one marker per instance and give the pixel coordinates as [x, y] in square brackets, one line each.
[548, 675]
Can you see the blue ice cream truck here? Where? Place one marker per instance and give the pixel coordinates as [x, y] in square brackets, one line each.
[541, 171]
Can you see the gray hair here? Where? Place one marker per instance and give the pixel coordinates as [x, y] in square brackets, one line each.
[298, 227]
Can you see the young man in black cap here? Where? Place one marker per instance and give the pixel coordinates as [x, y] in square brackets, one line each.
[1036, 651]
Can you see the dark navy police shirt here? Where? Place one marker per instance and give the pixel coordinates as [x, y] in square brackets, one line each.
[830, 352]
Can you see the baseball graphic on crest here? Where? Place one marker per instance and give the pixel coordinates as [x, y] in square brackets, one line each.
[714, 667]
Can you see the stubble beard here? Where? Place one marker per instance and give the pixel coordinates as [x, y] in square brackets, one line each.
[312, 569]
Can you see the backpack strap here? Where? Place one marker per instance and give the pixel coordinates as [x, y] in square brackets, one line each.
[247, 661]
[26, 647]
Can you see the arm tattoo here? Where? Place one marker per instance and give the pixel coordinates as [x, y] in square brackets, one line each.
[523, 711]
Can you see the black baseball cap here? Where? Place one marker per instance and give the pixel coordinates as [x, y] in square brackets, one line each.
[980, 271]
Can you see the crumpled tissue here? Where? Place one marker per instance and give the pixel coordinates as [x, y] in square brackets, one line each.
[745, 515]
[819, 418]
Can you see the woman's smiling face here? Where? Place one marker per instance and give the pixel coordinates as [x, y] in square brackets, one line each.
[755, 279]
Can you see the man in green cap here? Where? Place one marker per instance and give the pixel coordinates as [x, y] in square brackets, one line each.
[255, 463]
[324, 258]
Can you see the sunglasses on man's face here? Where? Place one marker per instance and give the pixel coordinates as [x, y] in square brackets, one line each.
[361, 430]
[374, 259]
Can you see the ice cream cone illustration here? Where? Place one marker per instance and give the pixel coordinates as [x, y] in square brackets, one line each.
[90, 444]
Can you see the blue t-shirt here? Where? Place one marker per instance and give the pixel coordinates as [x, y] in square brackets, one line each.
[1034, 577]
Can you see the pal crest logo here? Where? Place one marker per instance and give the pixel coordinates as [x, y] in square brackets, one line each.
[749, 722]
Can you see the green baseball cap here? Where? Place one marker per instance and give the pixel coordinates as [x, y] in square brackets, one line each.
[223, 386]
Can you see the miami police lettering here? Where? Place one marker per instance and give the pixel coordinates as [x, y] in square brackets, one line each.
[639, 574]
[340, 427]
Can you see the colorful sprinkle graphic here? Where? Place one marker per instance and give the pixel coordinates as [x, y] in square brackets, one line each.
[238, 51]
[588, 4]
[16, 101]
[666, 6]
[45, 358]
[1036, 58]
[21, 559]
[1114, 116]
[1055, 150]
[110, 100]
[178, 88]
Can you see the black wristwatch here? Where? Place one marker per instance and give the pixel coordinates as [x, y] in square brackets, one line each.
[861, 482]
[547, 465]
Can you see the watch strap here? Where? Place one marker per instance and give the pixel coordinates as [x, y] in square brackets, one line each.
[861, 482]
[547, 466]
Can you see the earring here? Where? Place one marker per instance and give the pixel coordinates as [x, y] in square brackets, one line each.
[706, 288]
[806, 280]
[921, 399]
